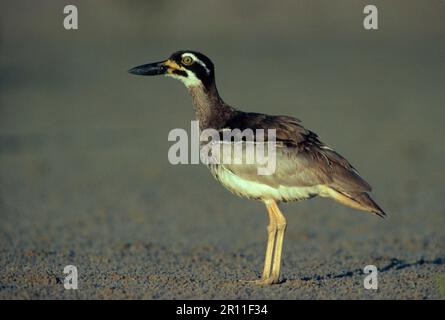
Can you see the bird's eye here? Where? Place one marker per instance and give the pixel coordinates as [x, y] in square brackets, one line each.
[187, 60]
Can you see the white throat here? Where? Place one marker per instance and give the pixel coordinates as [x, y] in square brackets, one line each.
[190, 81]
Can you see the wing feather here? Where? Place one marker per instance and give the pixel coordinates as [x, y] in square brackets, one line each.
[302, 159]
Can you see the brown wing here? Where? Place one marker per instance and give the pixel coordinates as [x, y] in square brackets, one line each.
[302, 159]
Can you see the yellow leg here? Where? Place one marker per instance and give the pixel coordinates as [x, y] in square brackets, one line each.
[271, 232]
[275, 230]
[281, 229]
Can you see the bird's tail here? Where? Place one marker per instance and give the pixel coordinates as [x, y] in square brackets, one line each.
[358, 200]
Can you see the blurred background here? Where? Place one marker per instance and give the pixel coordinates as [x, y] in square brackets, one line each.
[84, 174]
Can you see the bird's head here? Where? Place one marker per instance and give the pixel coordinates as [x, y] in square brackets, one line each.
[191, 67]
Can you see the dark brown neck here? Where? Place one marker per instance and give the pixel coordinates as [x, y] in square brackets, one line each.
[210, 109]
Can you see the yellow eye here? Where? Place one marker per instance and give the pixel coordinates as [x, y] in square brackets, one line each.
[187, 61]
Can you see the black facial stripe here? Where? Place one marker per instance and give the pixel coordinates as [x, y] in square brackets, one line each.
[201, 73]
[198, 69]
[180, 73]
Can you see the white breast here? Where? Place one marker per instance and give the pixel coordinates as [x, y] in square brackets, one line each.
[255, 190]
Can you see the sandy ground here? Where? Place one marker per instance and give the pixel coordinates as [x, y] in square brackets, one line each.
[84, 176]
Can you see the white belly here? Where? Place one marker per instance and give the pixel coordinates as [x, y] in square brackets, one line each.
[256, 190]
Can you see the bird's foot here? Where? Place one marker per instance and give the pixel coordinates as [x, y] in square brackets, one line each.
[262, 281]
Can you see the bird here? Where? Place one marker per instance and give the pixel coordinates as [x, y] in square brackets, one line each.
[305, 166]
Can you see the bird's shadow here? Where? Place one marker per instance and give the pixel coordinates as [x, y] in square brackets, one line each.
[394, 264]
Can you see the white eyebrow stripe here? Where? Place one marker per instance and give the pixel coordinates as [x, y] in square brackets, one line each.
[191, 55]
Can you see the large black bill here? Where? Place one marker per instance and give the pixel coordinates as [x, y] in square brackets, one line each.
[151, 69]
